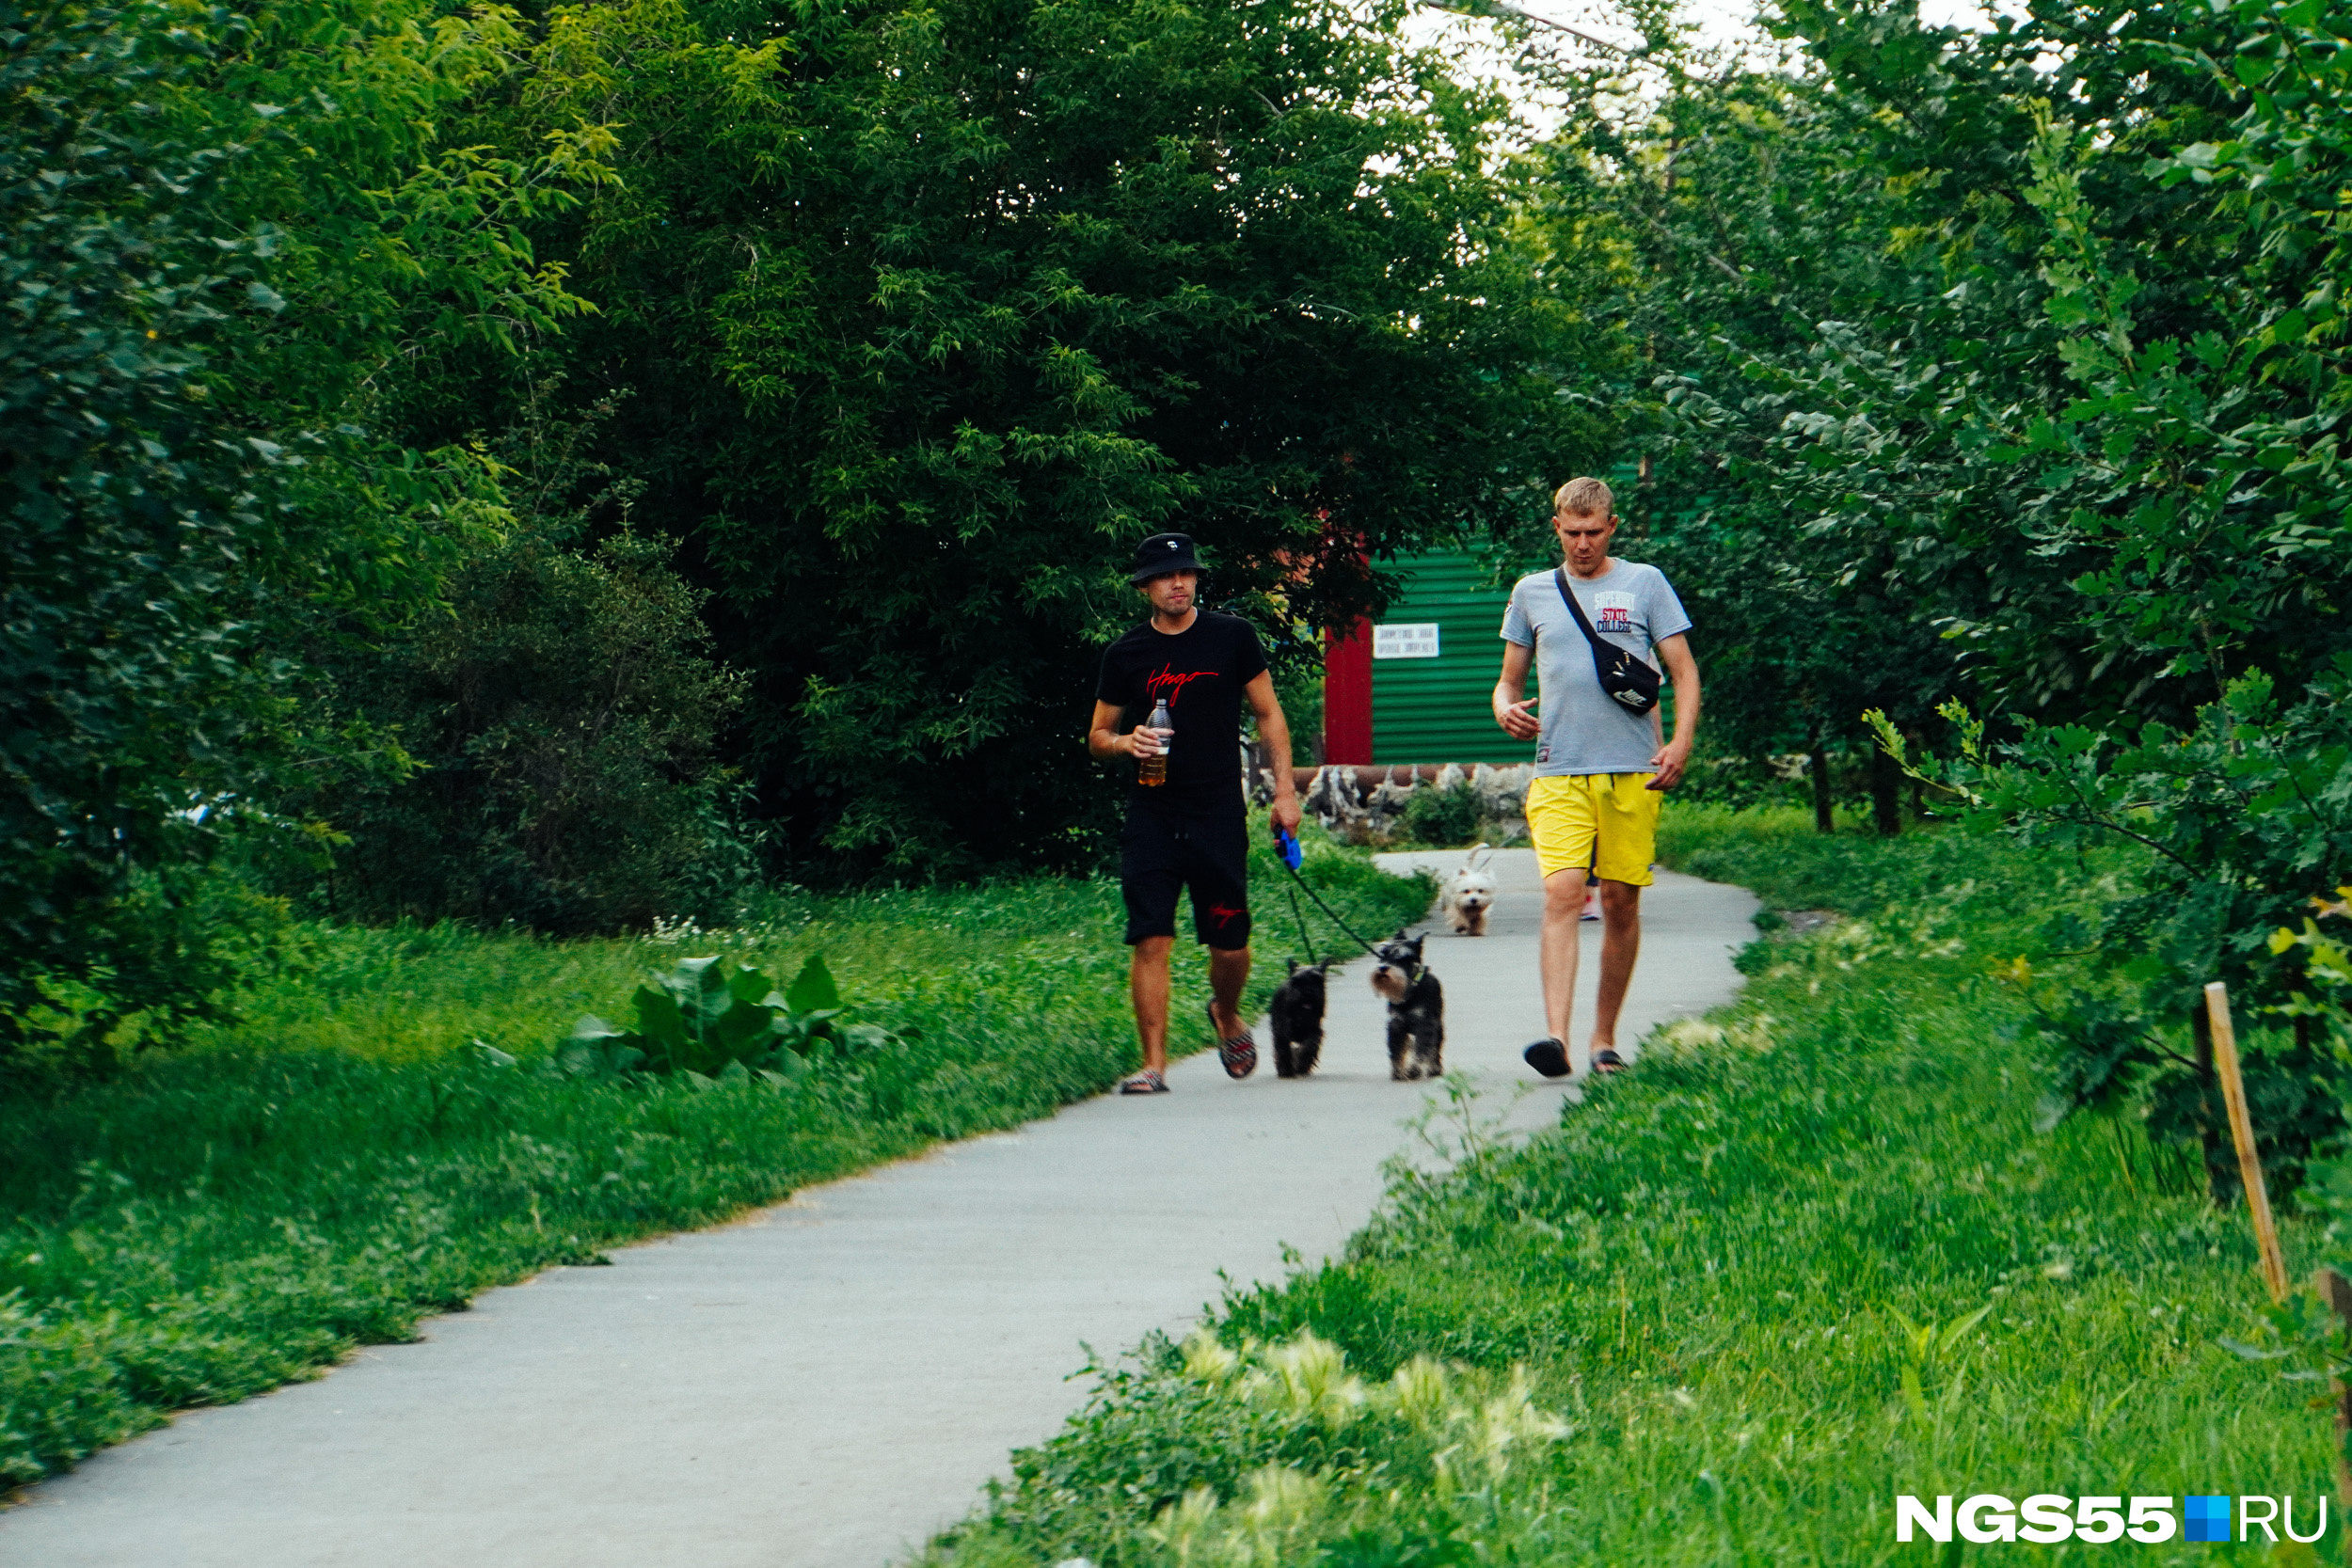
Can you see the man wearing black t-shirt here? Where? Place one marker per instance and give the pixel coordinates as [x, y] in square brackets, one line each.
[1192, 830]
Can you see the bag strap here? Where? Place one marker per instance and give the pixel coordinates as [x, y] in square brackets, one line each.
[1560, 580]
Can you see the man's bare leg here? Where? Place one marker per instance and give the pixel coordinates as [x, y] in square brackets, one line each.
[1620, 945]
[1229, 970]
[1147, 982]
[1564, 907]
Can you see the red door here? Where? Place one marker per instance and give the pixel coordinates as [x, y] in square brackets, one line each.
[1347, 696]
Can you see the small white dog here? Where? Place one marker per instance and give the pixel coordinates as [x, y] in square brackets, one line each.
[1469, 893]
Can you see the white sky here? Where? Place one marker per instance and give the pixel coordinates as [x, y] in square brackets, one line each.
[1720, 22]
[1728, 25]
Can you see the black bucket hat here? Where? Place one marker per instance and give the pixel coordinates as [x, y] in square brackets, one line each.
[1163, 553]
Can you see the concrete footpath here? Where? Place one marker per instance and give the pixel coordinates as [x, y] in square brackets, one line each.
[828, 1382]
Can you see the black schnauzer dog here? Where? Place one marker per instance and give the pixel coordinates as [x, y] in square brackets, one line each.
[1416, 1010]
[1296, 1014]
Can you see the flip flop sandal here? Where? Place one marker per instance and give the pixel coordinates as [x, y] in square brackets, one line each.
[1547, 1056]
[1238, 1054]
[1144, 1082]
[1606, 1060]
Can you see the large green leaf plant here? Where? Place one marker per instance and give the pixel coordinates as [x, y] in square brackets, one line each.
[705, 1020]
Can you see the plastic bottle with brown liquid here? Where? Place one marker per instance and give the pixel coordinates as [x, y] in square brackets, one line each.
[1153, 771]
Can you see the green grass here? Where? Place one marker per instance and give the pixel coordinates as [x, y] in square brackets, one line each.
[1805, 1257]
[221, 1218]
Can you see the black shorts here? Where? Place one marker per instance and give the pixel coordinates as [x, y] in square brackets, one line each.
[1161, 851]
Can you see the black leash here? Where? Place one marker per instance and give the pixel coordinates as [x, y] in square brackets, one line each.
[1300, 916]
[1302, 881]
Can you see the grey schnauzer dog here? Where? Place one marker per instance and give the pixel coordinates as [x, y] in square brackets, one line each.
[1296, 1015]
[1416, 1010]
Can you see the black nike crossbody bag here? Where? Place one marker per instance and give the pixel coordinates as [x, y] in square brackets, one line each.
[1628, 679]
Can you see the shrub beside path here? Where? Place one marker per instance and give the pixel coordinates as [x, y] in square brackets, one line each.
[828, 1381]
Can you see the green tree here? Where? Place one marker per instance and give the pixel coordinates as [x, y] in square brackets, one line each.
[222, 229]
[932, 311]
[1999, 363]
[2142, 470]
[2009, 363]
[1755, 231]
[2040, 394]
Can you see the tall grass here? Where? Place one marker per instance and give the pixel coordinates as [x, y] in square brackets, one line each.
[1805, 1257]
[224, 1217]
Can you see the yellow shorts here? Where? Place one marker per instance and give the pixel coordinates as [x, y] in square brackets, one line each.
[1605, 822]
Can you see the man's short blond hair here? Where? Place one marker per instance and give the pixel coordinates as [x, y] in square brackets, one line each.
[1585, 497]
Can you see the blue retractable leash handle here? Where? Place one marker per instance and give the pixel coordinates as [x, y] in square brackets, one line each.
[1286, 846]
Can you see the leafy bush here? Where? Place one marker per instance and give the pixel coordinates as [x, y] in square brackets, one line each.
[563, 720]
[1298, 686]
[1443, 818]
[2240, 819]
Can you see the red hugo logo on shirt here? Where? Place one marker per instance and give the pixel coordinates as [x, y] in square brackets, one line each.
[1169, 684]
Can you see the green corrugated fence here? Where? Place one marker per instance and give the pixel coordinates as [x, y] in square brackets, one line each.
[1439, 709]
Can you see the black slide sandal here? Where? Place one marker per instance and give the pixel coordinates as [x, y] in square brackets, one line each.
[1547, 1056]
[1606, 1060]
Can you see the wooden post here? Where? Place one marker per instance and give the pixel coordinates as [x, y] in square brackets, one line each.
[2249, 1165]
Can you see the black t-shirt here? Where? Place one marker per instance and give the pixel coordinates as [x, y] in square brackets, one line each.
[1200, 670]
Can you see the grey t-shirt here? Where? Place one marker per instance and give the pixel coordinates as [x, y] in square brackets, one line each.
[1585, 729]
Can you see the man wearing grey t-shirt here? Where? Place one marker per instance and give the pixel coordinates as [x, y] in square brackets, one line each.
[1592, 807]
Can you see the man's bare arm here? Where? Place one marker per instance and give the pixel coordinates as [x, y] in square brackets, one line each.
[1104, 741]
[1510, 710]
[1673, 757]
[1275, 730]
